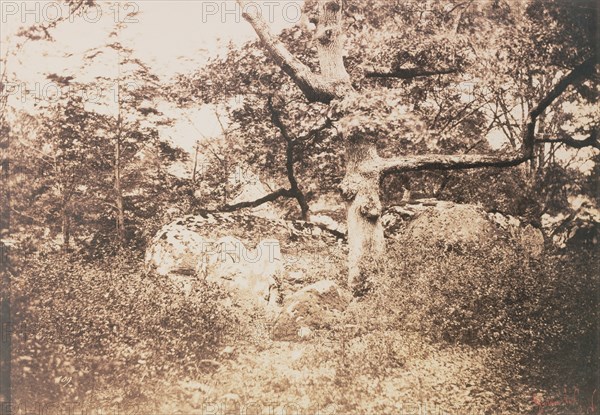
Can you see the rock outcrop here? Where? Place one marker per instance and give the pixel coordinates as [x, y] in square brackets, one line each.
[248, 255]
[263, 260]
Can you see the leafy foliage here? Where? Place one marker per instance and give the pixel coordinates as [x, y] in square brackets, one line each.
[84, 327]
[540, 313]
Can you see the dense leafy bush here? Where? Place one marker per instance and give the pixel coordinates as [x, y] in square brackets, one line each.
[540, 313]
[81, 327]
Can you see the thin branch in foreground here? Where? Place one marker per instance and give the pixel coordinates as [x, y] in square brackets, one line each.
[282, 192]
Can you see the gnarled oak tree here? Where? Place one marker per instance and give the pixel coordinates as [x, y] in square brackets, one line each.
[365, 169]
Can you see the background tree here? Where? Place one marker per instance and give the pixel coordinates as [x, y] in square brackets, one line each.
[90, 161]
[60, 154]
[139, 159]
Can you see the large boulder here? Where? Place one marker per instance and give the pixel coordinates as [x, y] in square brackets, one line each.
[452, 225]
[175, 250]
[313, 307]
[250, 256]
[184, 255]
[252, 274]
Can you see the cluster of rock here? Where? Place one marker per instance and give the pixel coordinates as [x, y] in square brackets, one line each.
[580, 229]
[267, 262]
[259, 259]
[313, 307]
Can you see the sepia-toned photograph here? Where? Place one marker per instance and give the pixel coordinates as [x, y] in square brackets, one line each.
[299, 207]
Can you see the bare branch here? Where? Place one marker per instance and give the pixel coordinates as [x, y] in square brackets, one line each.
[337, 233]
[591, 141]
[295, 190]
[260, 201]
[313, 86]
[444, 162]
[408, 73]
[461, 162]
[31, 218]
[582, 71]
[40, 155]
[277, 121]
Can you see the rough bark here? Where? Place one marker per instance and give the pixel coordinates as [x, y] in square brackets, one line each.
[360, 186]
[329, 37]
[360, 190]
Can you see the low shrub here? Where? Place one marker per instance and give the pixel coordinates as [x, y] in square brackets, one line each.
[81, 327]
[541, 313]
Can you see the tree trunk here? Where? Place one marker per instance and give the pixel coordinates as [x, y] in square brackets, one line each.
[6, 321]
[294, 186]
[120, 215]
[195, 163]
[330, 39]
[360, 189]
[65, 227]
[304, 208]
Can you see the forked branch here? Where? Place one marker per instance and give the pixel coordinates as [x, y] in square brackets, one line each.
[312, 85]
[461, 162]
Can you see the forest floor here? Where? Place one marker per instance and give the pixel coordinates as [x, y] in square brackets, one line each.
[321, 378]
[108, 338]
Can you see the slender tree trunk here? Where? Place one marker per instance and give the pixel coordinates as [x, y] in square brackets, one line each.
[540, 147]
[195, 163]
[120, 215]
[65, 226]
[304, 208]
[294, 186]
[6, 321]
